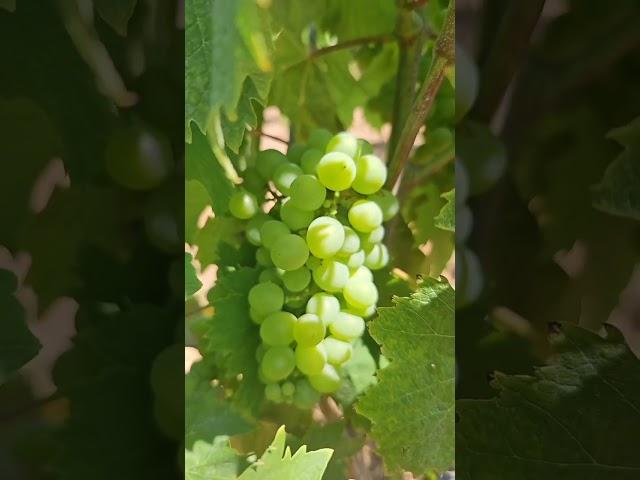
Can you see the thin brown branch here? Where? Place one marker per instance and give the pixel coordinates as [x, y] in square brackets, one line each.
[355, 42]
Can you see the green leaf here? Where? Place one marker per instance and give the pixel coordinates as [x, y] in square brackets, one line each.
[196, 199]
[226, 42]
[360, 18]
[358, 374]
[211, 461]
[116, 13]
[545, 425]
[618, 192]
[412, 406]
[191, 281]
[446, 219]
[17, 343]
[216, 233]
[278, 463]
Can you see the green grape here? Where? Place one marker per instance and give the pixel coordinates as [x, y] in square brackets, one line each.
[310, 360]
[365, 216]
[243, 205]
[290, 252]
[138, 158]
[305, 396]
[351, 242]
[364, 312]
[266, 298]
[387, 202]
[466, 83]
[309, 161]
[376, 256]
[374, 236]
[343, 142]
[307, 193]
[295, 152]
[354, 260]
[313, 262]
[252, 230]
[273, 393]
[255, 316]
[295, 218]
[338, 351]
[278, 363]
[325, 237]
[267, 162]
[309, 330]
[360, 294]
[363, 273]
[336, 171]
[327, 381]
[284, 176]
[296, 301]
[331, 276]
[288, 389]
[346, 327]
[319, 138]
[263, 257]
[325, 306]
[371, 173]
[272, 231]
[364, 147]
[270, 275]
[464, 223]
[296, 280]
[276, 329]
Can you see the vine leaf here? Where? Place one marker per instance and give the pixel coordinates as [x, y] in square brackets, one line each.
[359, 374]
[540, 424]
[116, 13]
[277, 463]
[446, 219]
[216, 233]
[411, 406]
[360, 18]
[191, 281]
[196, 199]
[618, 191]
[17, 343]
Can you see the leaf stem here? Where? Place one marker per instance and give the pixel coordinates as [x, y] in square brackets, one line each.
[354, 42]
[444, 55]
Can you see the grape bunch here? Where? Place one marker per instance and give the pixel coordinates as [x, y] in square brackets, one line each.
[316, 247]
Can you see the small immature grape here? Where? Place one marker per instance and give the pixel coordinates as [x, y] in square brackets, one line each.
[266, 298]
[243, 205]
[327, 381]
[295, 218]
[343, 142]
[351, 242]
[255, 317]
[365, 216]
[290, 252]
[296, 301]
[295, 152]
[364, 312]
[371, 173]
[360, 294]
[267, 162]
[374, 236]
[278, 363]
[363, 273]
[296, 280]
[331, 276]
[252, 230]
[387, 202]
[305, 396]
[325, 306]
[376, 256]
[309, 330]
[313, 262]
[325, 237]
[310, 159]
[346, 327]
[284, 176]
[307, 193]
[319, 138]
[354, 260]
[271, 232]
[273, 392]
[263, 257]
[277, 329]
[310, 360]
[270, 275]
[336, 171]
[288, 389]
[338, 351]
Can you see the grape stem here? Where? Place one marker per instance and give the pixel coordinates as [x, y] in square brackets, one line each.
[444, 56]
[355, 42]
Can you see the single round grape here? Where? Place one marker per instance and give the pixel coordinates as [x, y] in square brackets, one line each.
[290, 252]
[371, 173]
[263, 257]
[309, 330]
[296, 300]
[296, 280]
[376, 256]
[387, 202]
[346, 327]
[284, 176]
[243, 205]
[273, 393]
[309, 161]
[288, 389]
[295, 218]
[270, 275]
[360, 294]
[267, 162]
[266, 298]
[305, 396]
[278, 363]
[307, 193]
[252, 230]
[365, 216]
[364, 312]
[362, 273]
[336, 171]
[310, 360]
[272, 231]
[374, 236]
[276, 329]
[313, 262]
[325, 237]
[354, 260]
[331, 276]
[295, 152]
[327, 381]
[319, 138]
[351, 242]
[343, 142]
[325, 306]
[255, 316]
[338, 351]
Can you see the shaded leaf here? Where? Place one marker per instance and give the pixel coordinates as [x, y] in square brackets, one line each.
[191, 281]
[446, 219]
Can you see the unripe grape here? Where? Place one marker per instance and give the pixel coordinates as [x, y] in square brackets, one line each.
[336, 171]
[266, 298]
[295, 218]
[273, 393]
[305, 396]
[276, 329]
[309, 330]
[296, 280]
[387, 202]
[360, 294]
[325, 237]
[309, 161]
[319, 138]
[376, 256]
[295, 152]
[252, 230]
[267, 162]
[255, 317]
[371, 173]
[343, 142]
[327, 381]
[313, 262]
[354, 260]
[290, 252]
[272, 231]
[270, 275]
[374, 236]
[263, 257]
[363, 273]
[365, 215]
[331, 276]
[310, 360]
[346, 327]
[351, 242]
[288, 389]
[325, 306]
[338, 351]
[243, 205]
[284, 176]
[278, 363]
[307, 193]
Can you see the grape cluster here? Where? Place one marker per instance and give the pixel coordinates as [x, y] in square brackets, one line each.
[316, 248]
